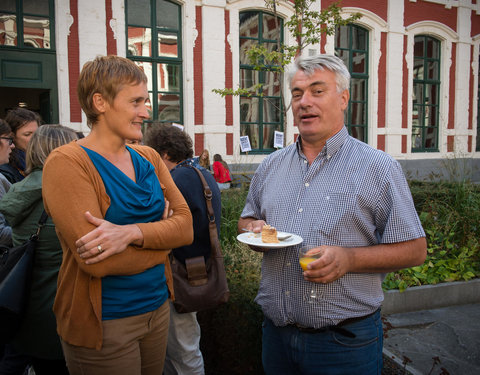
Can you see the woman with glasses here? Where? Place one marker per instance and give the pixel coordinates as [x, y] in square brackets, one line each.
[6, 147]
[23, 124]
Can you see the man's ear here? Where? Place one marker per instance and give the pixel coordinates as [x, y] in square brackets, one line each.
[99, 102]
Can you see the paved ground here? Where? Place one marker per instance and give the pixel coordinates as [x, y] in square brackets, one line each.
[443, 341]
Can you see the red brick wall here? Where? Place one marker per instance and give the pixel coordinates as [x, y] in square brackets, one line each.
[228, 73]
[382, 77]
[111, 42]
[420, 10]
[451, 90]
[198, 69]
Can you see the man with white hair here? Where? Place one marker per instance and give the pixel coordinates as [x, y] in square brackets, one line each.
[350, 202]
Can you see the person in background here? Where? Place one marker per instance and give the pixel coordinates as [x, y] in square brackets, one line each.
[203, 160]
[352, 204]
[6, 147]
[118, 214]
[221, 172]
[22, 206]
[23, 123]
[175, 147]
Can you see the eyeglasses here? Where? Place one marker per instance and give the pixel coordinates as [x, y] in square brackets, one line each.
[10, 140]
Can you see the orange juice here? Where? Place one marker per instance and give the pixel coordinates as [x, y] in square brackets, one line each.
[305, 260]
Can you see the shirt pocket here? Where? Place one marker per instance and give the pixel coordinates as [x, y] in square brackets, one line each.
[332, 219]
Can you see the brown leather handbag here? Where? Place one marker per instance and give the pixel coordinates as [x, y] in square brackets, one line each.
[201, 285]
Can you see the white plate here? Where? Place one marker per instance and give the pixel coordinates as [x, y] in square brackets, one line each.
[255, 239]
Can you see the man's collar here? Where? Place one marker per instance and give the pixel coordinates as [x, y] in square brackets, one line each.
[333, 144]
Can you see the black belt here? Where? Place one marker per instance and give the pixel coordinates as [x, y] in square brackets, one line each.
[336, 328]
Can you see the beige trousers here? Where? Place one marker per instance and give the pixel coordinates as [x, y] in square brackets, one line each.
[134, 345]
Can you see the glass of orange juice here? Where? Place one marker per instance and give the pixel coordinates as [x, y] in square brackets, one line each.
[307, 255]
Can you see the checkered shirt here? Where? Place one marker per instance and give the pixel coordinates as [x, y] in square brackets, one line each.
[352, 195]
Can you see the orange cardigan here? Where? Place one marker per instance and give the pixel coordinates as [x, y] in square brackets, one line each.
[71, 186]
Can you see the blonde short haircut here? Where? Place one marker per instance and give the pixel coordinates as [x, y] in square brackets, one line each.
[44, 140]
[105, 75]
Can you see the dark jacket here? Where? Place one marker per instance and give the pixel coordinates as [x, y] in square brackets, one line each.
[11, 173]
[190, 185]
[22, 206]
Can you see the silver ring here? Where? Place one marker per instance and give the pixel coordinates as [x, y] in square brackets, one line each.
[99, 248]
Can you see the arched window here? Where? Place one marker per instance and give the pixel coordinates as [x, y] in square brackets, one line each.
[261, 113]
[154, 43]
[27, 23]
[351, 45]
[426, 94]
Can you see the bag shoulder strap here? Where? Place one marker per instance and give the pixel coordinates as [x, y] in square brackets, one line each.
[212, 226]
[40, 224]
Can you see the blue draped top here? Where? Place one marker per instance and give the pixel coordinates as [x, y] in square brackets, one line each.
[131, 202]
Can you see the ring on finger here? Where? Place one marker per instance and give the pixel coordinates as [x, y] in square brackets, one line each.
[99, 248]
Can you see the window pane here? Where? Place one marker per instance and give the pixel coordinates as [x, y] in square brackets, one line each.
[8, 30]
[270, 27]
[416, 138]
[358, 132]
[39, 7]
[147, 69]
[139, 41]
[357, 89]
[8, 5]
[417, 93]
[357, 114]
[167, 14]
[248, 78]
[169, 107]
[432, 70]
[139, 12]
[249, 24]
[167, 44]
[245, 44]
[417, 116]
[271, 47]
[431, 116]
[271, 110]
[359, 63]
[249, 109]
[36, 32]
[359, 38]
[268, 134]
[431, 94]
[168, 78]
[418, 69]
[431, 138]
[432, 48]
[418, 47]
[344, 55]
[271, 86]
[341, 37]
[252, 131]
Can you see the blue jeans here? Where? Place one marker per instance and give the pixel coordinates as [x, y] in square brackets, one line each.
[286, 350]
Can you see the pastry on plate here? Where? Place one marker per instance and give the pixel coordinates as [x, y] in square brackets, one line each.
[269, 234]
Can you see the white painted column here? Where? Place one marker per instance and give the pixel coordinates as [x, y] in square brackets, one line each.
[63, 21]
[462, 80]
[213, 38]
[394, 76]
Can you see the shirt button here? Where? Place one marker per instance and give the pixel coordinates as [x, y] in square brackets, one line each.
[287, 293]
[289, 264]
[307, 184]
[305, 162]
[300, 210]
[327, 198]
[329, 156]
